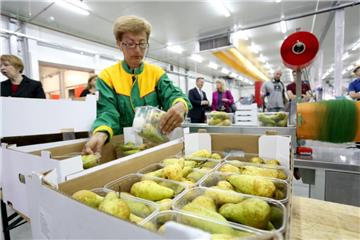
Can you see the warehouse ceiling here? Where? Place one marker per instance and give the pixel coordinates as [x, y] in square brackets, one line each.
[183, 23]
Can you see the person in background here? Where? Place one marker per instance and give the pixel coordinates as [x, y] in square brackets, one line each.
[132, 83]
[354, 86]
[17, 84]
[274, 92]
[90, 88]
[199, 102]
[222, 98]
[305, 90]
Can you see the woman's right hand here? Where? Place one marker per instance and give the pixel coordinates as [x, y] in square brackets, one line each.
[95, 143]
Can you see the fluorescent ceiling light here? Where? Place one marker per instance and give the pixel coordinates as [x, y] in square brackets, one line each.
[349, 67]
[345, 56]
[213, 65]
[358, 62]
[344, 71]
[283, 26]
[233, 75]
[262, 58]
[240, 35]
[267, 65]
[277, 1]
[254, 48]
[356, 46]
[196, 58]
[175, 48]
[74, 6]
[220, 6]
[225, 71]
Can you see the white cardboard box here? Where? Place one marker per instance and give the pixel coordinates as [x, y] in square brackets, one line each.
[27, 117]
[55, 214]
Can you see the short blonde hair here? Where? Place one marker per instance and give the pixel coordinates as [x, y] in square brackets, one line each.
[132, 24]
[222, 82]
[92, 77]
[14, 61]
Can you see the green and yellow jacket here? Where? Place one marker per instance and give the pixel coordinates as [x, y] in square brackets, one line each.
[121, 90]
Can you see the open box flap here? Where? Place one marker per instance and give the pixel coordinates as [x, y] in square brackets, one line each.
[197, 141]
[275, 147]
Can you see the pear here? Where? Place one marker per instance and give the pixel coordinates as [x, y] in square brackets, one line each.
[186, 170]
[115, 206]
[150, 190]
[206, 202]
[158, 173]
[210, 227]
[209, 165]
[189, 163]
[89, 198]
[252, 212]
[276, 217]
[90, 160]
[225, 185]
[170, 161]
[137, 208]
[257, 160]
[281, 174]
[196, 175]
[272, 162]
[279, 195]
[229, 168]
[173, 172]
[165, 204]
[252, 185]
[148, 225]
[215, 156]
[220, 197]
[256, 171]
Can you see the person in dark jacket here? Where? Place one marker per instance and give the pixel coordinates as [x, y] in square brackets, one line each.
[91, 88]
[199, 102]
[17, 84]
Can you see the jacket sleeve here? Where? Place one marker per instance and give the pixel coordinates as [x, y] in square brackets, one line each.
[192, 99]
[39, 91]
[230, 97]
[169, 94]
[107, 116]
[214, 102]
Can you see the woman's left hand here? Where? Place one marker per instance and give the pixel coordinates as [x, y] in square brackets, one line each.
[173, 118]
[225, 100]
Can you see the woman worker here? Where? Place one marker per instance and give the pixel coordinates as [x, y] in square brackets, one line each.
[131, 83]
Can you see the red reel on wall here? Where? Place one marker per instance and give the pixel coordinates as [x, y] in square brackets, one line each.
[299, 50]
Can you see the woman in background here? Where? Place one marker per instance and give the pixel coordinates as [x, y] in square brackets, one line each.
[17, 84]
[90, 88]
[222, 98]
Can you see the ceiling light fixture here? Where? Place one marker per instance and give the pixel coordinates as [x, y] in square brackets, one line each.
[225, 71]
[267, 66]
[283, 26]
[277, 1]
[233, 75]
[349, 67]
[220, 6]
[254, 48]
[196, 58]
[213, 65]
[262, 58]
[175, 48]
[356, 46]
[74, 6]
[358, 62]
[345, 56]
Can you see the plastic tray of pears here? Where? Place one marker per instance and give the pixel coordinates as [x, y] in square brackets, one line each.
[247, 184]
[147, 124]
[186, 170]
[158, 190]
[121, 205]
[250, 212]
[252, 164]
[167, 221]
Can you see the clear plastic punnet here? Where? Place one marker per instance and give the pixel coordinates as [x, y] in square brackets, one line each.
[252, 185]
[215, 118]
[147, 124]
[252, 212]
[273, 119]
[190, 226]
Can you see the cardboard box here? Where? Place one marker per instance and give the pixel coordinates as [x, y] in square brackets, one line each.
[55, 214]
[64, 156]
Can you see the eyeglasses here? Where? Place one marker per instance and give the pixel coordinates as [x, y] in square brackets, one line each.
[133, 45]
